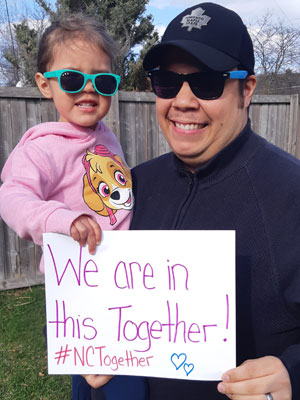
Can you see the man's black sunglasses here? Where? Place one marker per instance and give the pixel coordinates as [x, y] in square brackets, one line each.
[207, 85]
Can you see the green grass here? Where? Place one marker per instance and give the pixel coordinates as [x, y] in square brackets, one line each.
[23, 356]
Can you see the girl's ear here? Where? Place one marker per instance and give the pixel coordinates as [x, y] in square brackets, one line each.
[43, 85]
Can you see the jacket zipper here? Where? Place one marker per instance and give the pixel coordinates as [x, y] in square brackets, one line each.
[185, 205]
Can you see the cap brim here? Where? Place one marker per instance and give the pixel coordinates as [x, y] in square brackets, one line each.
[212, 58]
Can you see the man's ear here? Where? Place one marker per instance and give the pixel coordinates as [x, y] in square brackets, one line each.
[249, 89]
[43, 85]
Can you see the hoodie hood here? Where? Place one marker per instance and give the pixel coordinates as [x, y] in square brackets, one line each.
[65, 129]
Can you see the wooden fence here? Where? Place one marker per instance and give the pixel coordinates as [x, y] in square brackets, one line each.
[132, 118]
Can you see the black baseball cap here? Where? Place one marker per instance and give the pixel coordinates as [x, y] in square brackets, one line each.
[214, 35]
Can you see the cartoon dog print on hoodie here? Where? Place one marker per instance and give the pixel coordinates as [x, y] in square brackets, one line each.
[107, 184]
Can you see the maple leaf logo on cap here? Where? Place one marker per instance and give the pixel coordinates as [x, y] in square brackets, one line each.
[195, 20]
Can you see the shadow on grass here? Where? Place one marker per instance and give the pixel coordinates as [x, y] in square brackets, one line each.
[23, 359]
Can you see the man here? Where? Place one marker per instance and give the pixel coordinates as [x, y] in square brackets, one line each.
[221, 175]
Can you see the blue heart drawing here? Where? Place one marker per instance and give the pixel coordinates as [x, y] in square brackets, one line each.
[188, 368]
[178, 359]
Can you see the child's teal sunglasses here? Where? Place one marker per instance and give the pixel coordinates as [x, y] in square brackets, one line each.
[71, 81]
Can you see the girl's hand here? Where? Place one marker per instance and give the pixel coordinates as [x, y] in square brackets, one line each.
[97, 381]
[254, 378]
[85, 230]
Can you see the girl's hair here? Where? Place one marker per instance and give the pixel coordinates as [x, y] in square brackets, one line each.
[70, 27]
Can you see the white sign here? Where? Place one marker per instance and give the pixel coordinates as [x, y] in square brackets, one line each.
[148, 303]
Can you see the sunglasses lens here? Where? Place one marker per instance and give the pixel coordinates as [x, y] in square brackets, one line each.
[106, 84]
[165, 84]
[207, 85]
[71, 81]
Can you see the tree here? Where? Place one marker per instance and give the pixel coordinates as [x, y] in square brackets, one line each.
[276, 48]
[137, 77]
[27, 40]
[18, 46]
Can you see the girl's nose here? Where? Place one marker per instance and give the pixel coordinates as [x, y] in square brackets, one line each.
[89, 87]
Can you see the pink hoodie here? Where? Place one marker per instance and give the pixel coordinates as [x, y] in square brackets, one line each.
[47, 180]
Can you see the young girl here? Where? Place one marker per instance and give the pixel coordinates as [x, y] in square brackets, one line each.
[69, 176]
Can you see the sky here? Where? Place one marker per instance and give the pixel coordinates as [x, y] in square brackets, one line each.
[163, 11]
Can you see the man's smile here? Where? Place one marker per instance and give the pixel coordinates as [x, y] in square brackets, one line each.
[189, 126]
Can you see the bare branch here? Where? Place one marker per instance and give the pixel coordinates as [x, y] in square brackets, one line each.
[276, 46]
